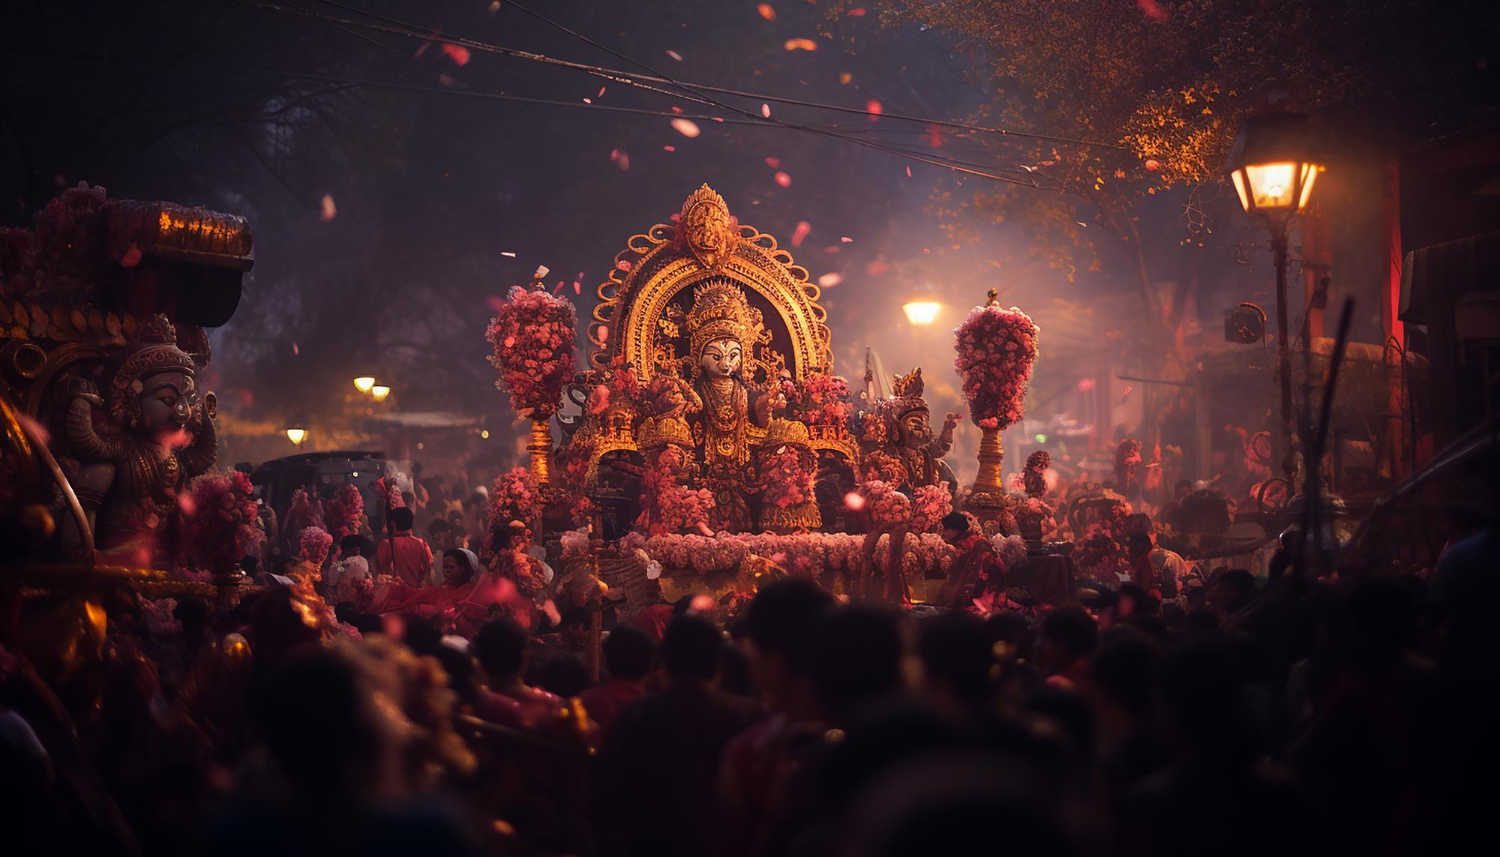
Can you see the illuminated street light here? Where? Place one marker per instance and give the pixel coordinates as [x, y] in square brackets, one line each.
[922, 312]
[296, 435]
[1273, 167]
[380, 391]
[364, 383]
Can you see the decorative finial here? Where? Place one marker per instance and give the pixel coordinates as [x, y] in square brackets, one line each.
[993, 297]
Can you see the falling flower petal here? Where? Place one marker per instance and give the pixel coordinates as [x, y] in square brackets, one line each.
[908, 171]
[330, 211]
[766, 11]
[874, 108]
[798, 234]
[846, 239]
[509, 253]
[669, 148]
[296, 350]
[621, 158]
[846, 78]
[603, 333]
[675, 55]
[857, 12]
[773, 163]
[623, 265]
[457, 53]
[577, 287]
[1152, 9]
[801, 45]
[765, 110]
[686, 127]
[783, 179]
[830, 279]
[601, 93]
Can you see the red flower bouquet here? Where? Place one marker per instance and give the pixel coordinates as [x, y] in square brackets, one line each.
[887, 506]
[787, 474]
[996, 349]
[343, 513]
[313, 545]
[219, 521]
[515, 496]
[533, 342]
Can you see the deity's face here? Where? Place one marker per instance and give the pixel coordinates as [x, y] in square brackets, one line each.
[916, 430]
[167, 400]
[721, 358]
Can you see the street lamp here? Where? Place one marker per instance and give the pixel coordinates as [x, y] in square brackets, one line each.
[296, 434]
[1273, 166]
[380, 391]
[364, 383]
[922, 312]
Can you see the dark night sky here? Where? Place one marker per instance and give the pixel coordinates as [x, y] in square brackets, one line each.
[431, 188]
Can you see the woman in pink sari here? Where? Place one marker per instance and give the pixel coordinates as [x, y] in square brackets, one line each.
[466, 599]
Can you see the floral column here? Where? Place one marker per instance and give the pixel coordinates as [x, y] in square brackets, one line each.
[996, 349]
[533, 346]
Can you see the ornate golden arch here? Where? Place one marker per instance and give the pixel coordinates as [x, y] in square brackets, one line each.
[706, 243]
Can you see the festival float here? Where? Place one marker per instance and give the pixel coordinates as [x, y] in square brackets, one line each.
[717, 449]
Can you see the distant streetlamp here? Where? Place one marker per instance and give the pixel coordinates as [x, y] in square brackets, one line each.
[364, 383]
[922, 312]
[296, 435]
[380, 391]
[1273, 166]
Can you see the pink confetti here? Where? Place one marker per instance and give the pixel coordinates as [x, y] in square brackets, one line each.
[669, 148]
[857, 12]
[601, 93]
[676, 109]
[874, 108]
[1085, 384]
[686, 127]
[675, 55]
[588, 101]
[766, 11]
[457, 53]
[577, 287]
[623, 265]
[846, 240]
[603, 333]
[559, 287]
[621, 158]
[330, 211]
[509, 253]
[908, 171]
[773, 163]
[800, 233]
[765, 110]
[830, 279]
[295, 350]
[783, 179]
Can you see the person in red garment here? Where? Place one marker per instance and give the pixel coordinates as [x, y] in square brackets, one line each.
[506, 699]
[405, 556]
[629, 654]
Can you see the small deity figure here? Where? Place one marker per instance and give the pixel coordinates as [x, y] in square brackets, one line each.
[721, 327]
[1034, 515]
[909, 434]
[156, 437]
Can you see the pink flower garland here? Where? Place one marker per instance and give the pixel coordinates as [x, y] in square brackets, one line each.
[533, 341]
[996, 349]
[930, 505]
[220, 523]
[887, 506]
[818, 400]
[787, 473]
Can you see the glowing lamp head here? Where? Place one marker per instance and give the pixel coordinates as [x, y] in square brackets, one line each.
[484, 434]
[380, 391]
[922, 312]
[1274, 165]
[364, 383]
[296, 435]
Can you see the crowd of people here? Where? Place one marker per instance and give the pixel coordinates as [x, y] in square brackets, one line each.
[1297, 716]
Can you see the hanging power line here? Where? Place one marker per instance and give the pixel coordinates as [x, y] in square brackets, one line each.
[408, 30]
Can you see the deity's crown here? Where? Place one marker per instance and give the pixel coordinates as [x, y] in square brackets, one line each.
[657, 431]
[157, 352]
[720, 311]
[907, 394]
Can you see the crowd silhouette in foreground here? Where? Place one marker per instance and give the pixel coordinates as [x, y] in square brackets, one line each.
[1295, 717]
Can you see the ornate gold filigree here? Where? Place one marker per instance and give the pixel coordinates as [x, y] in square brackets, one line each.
[631, 318]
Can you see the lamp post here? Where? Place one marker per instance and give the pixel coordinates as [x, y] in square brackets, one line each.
[1273, 167]
[364, 383]
[921, 312]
